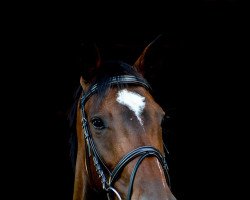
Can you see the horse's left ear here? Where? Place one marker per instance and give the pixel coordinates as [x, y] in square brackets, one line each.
[151, 57]
[89, 57]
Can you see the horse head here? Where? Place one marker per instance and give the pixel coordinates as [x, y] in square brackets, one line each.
[120, 149]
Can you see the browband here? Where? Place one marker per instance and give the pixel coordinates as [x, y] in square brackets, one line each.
[123, 79]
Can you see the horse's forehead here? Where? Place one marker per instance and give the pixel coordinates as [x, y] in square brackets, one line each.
[132, 100]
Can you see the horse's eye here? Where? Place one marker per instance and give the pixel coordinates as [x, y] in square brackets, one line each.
[97, 123]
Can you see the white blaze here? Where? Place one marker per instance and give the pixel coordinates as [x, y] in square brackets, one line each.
[133, 101]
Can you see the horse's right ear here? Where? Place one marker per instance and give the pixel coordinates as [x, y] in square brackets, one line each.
[151, 58]
[89, 58]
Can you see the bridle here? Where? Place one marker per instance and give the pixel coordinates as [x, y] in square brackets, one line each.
[142, 152]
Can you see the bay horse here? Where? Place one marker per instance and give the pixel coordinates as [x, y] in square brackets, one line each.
[120, 153]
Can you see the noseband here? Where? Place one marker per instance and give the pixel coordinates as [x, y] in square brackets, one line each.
[142, 152]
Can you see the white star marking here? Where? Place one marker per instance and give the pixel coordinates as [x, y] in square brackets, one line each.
[133, 101]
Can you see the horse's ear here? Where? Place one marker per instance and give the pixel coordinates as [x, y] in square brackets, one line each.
[151, 57]
[89, 58]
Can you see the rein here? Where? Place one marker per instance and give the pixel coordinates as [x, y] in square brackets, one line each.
[142, 152]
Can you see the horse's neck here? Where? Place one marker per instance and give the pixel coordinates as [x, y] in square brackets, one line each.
[82, 189]
[80, 184]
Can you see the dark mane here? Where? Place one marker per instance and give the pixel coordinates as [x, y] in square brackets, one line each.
[72, 126]
[106, 70]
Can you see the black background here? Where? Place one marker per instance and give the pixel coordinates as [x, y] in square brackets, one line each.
[204, 42]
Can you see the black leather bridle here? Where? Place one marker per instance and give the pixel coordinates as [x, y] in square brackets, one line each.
[142, 152]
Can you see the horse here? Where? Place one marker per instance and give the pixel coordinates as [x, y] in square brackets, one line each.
[117, 130]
